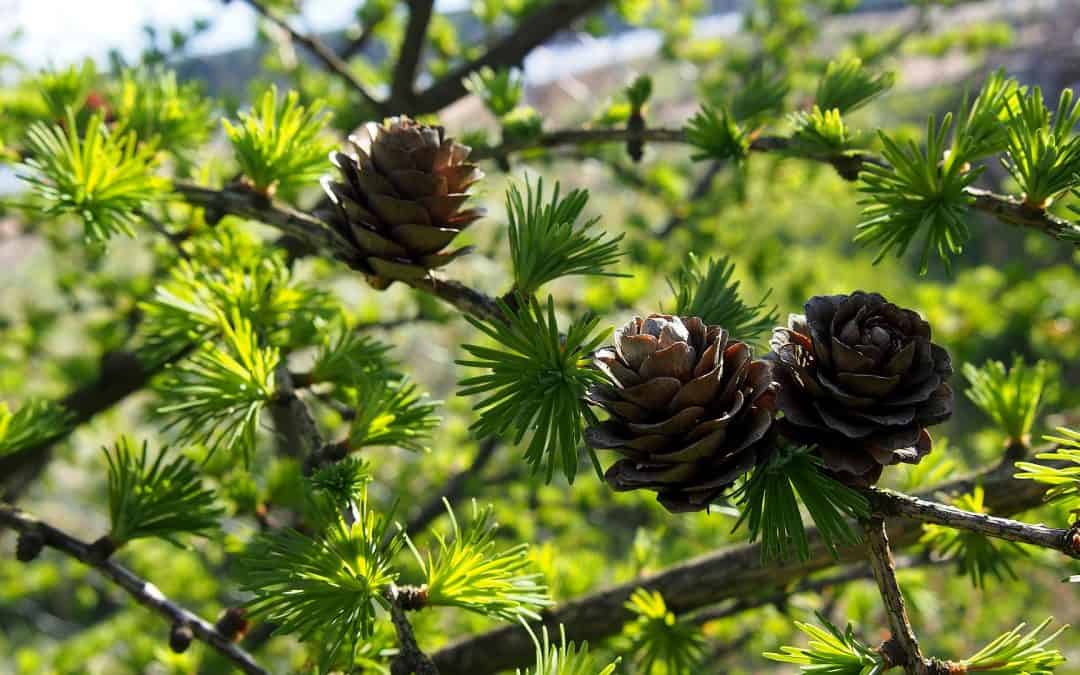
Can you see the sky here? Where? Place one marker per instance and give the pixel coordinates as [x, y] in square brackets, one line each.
[59, 32]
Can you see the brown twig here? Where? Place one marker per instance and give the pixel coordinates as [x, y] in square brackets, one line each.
[453, 489]
[319, 50]
[320, 235]
[411, 52]
[729, 573]
[886, 502]
[1004, 208]
[357, 44]
[902, 649]
[530, 32]
[144, 592]
[410, 658]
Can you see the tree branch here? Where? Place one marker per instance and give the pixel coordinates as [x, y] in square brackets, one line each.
[412, 50]
[902, 649]
[729, 573]
[1004, 208]
[453, 489]
[121, 374]
[532, 31]
[410, 658]
[144, 592]
[886, 502]
[320, 51]
[312, 231]
[357, 44]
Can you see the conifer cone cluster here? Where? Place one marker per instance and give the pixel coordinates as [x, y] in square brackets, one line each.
[690, 410]
[860, 379]
[400, 197]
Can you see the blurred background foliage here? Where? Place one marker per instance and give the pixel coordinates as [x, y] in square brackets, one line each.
[786, 224]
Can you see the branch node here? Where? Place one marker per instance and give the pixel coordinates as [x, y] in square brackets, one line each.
[29, 545]
[180, 637]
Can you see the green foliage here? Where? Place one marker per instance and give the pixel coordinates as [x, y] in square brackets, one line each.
[522, 125]
[714, 298]
[156, 499]
[660, 642]
[759, 99]
[830, 652]
[716, 135]
[545, 243]
[535, 384]
[638, 92]
[1065, 480]
[981, 127]
[770, 506]
[344, 480]
[976, 555]
[564, 658]
[67, 89]
[348, 357]
[1043, 151]
[279, 146]
[323, 585]
[847, 86]
[217, 395]
[162, 112]
[225, 280]
[1018, 653]
[468, 571]
[821, 133]
[34, 422]
[918, 193]
[500, 90]
[1011, 398]
[103, 178]
[390, 413]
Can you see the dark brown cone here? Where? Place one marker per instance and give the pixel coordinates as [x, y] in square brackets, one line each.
[860, 378]
[689, 409]
[400, 197]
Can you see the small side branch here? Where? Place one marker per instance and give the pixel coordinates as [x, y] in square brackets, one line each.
[531, 32]
[319, 50]
[144, 592]
[1004, 208]
[410, 659]
[885, 502]
[902, 649]
[412, 51]
[317, 234]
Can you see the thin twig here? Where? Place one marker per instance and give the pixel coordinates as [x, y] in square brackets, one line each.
[410, 658]
[411, 52]
[1004, 208]
[144, 592]
[530, 32]
[887, 502]
[319, 50]
[453, 489]
[361, 41]
[902, 649]
[701, 188]
[320, 235]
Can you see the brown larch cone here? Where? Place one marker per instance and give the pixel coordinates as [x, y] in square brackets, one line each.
[400, 197]
[689, 409]
[860, 379]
